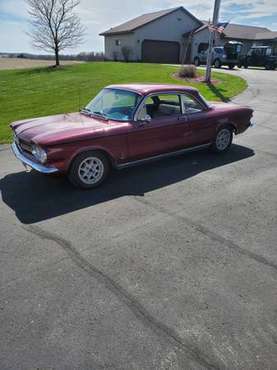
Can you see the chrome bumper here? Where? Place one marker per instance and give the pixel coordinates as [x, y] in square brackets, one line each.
[28, 162]
[252, 124]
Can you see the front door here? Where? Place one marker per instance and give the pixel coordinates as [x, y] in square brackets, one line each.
[256, 57]
[161, 127]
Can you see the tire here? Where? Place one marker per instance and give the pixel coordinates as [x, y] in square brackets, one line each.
[239, 65]
[245, 66]
[88, 170]
[223, 140]
[270, 67]
[231, 66]
[196, 61]
[217, 63]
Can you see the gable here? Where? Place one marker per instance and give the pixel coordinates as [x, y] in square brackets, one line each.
[145, 19]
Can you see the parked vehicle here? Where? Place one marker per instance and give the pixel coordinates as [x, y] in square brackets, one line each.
[259, 56]
[221, 55]
[126, 125]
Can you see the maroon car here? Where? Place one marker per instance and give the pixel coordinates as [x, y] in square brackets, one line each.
[126, 125]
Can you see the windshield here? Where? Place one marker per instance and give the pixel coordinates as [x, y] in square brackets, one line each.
[114, 104]
[219, 50]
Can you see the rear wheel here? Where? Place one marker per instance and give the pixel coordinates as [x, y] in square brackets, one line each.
[89, 170]
[196, 61]
[223, 140]
[217, 63]
[231, 66]
[270, 66]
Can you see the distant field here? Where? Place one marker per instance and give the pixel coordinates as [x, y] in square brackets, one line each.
[20, 63]
[27, 93]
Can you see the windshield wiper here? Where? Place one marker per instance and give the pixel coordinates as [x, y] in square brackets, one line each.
[100, 114]
[86, 111]
[90, 113]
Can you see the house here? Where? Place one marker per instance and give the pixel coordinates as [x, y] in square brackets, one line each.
[174, 36]
[248, 35]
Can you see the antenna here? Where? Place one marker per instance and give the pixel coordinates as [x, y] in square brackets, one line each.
[79, 98]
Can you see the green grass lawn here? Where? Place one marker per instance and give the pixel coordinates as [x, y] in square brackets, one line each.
[39, 92]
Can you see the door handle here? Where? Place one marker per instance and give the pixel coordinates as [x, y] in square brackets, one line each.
[183, 118]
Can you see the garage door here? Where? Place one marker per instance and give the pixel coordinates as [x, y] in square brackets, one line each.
[160, 51]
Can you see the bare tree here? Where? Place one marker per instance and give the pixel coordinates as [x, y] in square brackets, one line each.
[55, 26]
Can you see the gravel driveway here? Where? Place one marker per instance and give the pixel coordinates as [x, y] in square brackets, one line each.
[172, 265]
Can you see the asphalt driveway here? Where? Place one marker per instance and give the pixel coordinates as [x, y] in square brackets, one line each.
[172, 265]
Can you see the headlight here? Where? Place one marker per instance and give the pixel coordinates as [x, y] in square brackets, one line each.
[39, 153]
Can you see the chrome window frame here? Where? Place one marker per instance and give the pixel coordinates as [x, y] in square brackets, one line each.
[199, 99]
[178, 93]
[205, 107]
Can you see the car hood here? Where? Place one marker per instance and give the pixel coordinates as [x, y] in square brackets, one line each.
[62, 127]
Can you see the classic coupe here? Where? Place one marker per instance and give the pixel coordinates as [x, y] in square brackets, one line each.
[126, 125]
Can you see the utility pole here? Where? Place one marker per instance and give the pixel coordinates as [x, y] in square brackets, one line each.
[211, 41]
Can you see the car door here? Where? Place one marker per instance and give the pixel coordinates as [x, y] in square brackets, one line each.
[199, 119]
[260, 57]
[160, 127]
[255, 58]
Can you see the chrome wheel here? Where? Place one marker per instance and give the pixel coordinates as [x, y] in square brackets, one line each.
[91, 170]
[223, 139]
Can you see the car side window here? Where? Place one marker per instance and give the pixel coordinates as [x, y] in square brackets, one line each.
[190, 104]
[162, 105]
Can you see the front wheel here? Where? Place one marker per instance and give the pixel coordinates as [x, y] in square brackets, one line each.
[231, 66]
[217, 63]
[89, 170]
[223, 140]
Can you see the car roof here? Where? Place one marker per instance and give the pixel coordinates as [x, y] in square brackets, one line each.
[145, 89]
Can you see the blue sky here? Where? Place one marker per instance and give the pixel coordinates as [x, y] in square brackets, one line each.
[99, 15]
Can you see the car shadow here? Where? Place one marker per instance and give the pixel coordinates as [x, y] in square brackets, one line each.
[35, 197]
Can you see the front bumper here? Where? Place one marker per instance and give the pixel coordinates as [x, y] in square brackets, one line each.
[29, 163]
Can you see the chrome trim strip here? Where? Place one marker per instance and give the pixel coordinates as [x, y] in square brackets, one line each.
[160, 156]
[28, 162]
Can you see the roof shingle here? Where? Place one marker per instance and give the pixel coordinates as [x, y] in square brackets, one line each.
[142, 20]
[240, 31]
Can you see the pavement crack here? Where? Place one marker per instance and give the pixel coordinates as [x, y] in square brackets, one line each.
[125, 297]
[211, 234]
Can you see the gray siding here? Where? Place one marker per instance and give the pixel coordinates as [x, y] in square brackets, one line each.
[168, 28]
[203, 37]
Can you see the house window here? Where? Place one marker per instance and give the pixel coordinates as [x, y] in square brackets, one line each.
[117, 42]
